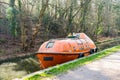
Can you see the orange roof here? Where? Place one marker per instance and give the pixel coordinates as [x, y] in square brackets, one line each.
[81, 43]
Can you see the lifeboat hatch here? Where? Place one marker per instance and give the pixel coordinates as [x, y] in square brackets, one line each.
[48, 58]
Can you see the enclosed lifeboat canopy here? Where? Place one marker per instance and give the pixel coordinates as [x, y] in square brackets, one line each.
[77, 42]
[56, 51]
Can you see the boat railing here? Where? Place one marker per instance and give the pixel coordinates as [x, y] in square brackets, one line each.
[64, 38]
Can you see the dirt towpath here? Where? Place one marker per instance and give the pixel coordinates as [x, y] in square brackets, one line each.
[107, 68]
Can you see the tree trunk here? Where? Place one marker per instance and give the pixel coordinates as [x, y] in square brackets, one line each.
[23, 28]
[12, 19]
[36, 29]
[99, 21]
[84, 7]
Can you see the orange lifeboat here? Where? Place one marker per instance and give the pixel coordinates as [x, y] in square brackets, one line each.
[57, 51]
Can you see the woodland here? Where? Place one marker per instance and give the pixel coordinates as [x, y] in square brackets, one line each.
[26, 24]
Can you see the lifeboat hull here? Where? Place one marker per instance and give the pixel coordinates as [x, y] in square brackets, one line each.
[57, 51]
[50, 59]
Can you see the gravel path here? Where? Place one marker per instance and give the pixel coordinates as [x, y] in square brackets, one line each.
[107, 68]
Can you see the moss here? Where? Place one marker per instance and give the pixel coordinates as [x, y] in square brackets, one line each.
[2, 40]
[2, 51]
[35, 77]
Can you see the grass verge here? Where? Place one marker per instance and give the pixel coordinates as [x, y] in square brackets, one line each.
[110, 40]
[79, 62]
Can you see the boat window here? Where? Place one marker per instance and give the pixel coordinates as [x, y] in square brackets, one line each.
[71, 36]
[49, 44]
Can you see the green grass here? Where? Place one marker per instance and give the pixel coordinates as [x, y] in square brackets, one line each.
[106, 45]
[111, 40]
[64, 68]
